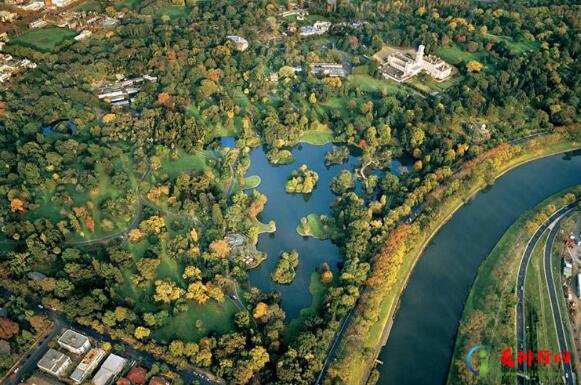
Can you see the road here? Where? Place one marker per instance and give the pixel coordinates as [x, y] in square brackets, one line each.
[60, 323]
[520, 310]
[554, 294]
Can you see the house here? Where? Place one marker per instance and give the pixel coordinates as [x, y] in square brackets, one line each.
[235, 240]
[87, 365]
[241, 43]
[74, 342]
[401, 67]
[38, 23]
[328, 69]
[319, 28]
[137, 375]
[111, 368]
[7, 17]
[4, 37]
[35, 276]
[83, 35]
[41, 379]
[568, 269]
[54, 362]
[579, 285]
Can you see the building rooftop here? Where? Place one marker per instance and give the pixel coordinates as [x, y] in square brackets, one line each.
[73, 339]
[53, 361]
[88, 364]
[112, 366]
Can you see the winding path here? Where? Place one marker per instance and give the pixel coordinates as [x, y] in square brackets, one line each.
[550, 223]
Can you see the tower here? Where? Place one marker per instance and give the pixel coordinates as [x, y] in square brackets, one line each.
[420, 54]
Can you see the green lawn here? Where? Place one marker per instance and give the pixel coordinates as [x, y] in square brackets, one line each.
[172, 11]
[251, 182]
[89, 5]
[269, 227]
[370, 84]
[215, 318]
[319, 136]
[456, 55]
[516, 46]
[131, 4]
[313, 228]
[185, 162]
[44, 39]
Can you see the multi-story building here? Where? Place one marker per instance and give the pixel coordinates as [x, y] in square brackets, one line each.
[87, 365]
[401, 67]
[110, 369]
[54, 362]
[74, 342]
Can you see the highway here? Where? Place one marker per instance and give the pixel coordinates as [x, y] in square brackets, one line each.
[554, 294]
[520, 310]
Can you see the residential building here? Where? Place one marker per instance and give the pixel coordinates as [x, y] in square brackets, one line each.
[54, 362]
[328, 69]
[38, 23]
[241, 43]
[83, 35]
[110, 369]
[319, 28]
[7, 17]
[579, 285]
[568, 269]
[41, 379]
[88, 365]
[74, 342]
[401, 67]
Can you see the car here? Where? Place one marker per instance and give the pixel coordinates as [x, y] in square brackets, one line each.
[16, 370]
[40, 306]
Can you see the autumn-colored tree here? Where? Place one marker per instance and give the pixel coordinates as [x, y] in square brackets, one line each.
[260, 310]
[8, 328]
[326, 277]
[389, 259]
[474, 66]
[142, 332]
[17, 205]
[220, 248]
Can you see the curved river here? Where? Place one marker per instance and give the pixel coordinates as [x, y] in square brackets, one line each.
[421, 341]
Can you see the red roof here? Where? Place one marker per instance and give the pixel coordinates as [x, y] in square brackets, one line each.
[137, 375]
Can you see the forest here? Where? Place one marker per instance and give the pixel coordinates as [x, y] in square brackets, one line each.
[126, 211]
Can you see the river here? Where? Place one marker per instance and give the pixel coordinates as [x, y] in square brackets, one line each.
[421, 341]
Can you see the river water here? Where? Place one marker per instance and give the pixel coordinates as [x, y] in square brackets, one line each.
[421, 342]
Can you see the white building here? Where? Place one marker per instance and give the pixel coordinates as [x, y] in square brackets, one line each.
[87, 365]
[328, 69]
[7, 17]
[241, 43]
[401, 67]
[74, 342]
[112, 366]
[38, 23]
[579, 285]
[54, 362]
[83, 35]
[319, 28]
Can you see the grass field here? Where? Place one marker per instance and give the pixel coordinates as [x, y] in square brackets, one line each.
[429, 85]
[516, 47]
[90, 5]
[215, 317]
[456, 55]
[370, 84]
[185, 162]
[44, 39]
[172, 11]
[131, 4]
[319, 136]
[313, 228]
[250, 182]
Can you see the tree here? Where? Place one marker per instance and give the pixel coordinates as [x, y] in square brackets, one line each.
[8, 328]
[220, 248]
[474, 66]
[142, 332]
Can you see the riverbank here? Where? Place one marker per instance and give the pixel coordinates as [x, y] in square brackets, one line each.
[488, 316]
[368, 334]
